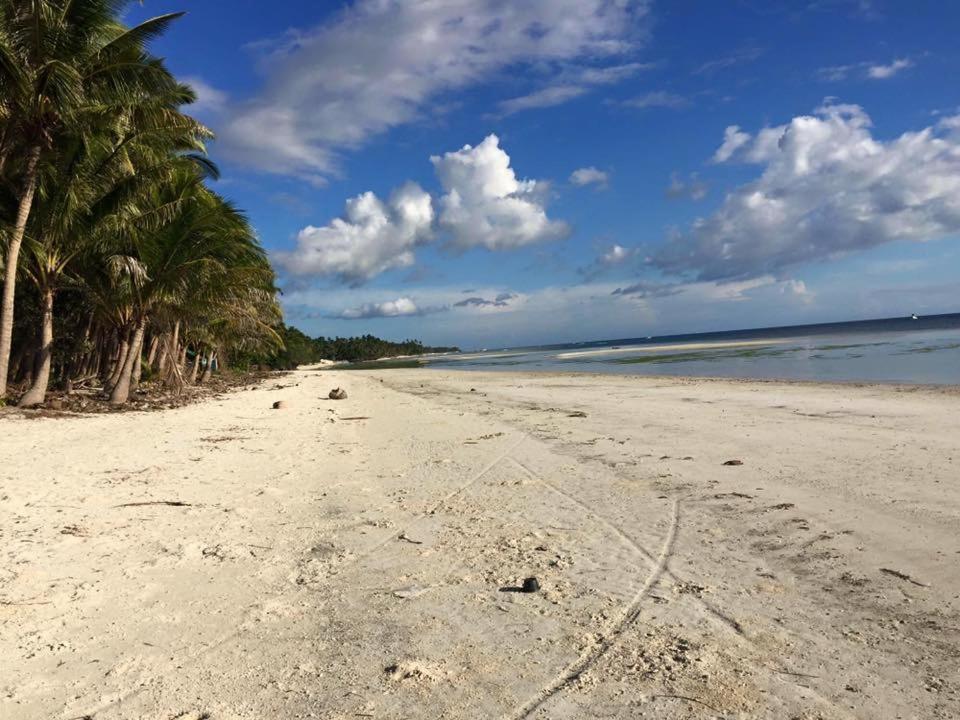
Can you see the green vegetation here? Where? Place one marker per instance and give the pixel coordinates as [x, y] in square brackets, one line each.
[299, 349]
[119, 261]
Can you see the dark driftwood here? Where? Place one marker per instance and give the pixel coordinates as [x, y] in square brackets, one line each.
[171, 503]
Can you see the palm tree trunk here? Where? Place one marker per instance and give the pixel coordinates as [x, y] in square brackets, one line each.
[121, 391]
[38, 391]
[152, 352]
[10, 265]
[196, 365]
[137, 367]
[121, 359]
[208, 370]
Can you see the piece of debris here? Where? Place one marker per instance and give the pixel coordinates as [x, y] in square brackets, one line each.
[409, 670]
[530, 585]
[404, 536]
[903, 576]
[279, 405]
[171, 503]
[338, 394]
[409, 592]
[733, 462]
[578, 413]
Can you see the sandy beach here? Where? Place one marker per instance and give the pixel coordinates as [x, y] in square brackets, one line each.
[360, 558]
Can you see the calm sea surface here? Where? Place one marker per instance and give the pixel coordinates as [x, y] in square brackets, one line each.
[925, 351]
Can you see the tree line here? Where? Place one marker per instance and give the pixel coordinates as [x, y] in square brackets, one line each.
[118, 258]
[299, 349]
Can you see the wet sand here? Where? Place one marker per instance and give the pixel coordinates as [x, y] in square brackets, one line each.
[358, 558]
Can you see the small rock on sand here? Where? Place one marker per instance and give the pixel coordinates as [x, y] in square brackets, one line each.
[734, 462]
[338, 394]
[279, 405]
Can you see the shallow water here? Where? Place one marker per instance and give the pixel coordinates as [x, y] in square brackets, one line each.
[926, 351]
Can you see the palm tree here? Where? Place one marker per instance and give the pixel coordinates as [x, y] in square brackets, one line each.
[203, 264]
[61, 62]
[88, 191]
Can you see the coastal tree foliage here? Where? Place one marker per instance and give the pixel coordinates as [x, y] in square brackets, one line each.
[299, 349]
[117, 257]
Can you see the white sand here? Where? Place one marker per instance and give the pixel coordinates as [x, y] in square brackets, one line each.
[338, 568]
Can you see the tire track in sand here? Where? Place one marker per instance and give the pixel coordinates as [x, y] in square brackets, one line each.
[660, 570]
[630, 613]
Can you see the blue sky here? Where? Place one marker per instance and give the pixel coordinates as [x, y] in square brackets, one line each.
[489, 173]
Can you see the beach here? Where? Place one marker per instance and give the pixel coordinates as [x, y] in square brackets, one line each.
[704, 548]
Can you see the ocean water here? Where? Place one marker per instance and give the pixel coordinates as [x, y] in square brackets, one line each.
[904, 350]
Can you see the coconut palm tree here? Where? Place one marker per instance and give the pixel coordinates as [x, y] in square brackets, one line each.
[61, 62]
[88, 191]
[201, 262]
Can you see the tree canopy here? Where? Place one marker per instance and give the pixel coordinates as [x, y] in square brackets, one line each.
[117, 254]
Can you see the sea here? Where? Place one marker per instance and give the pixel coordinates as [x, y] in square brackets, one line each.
[924, 350]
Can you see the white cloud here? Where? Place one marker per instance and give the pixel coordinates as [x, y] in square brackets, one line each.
[391, 308]
[741, 57]
[658, 99]
[733, 140]
[378, 64]
[869, 70]
[835, 73]
[882, 72]
[694, 188]
[371, 238]
[827, 188]
[572, 84]
[546, 97]
[209, 99]
[556, 313]
[484, 204]
[617, 254]
[589, 176]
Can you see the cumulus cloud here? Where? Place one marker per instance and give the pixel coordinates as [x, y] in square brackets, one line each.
[400, 307]
[589, 176]
[369, 239]
[377, 64]
[485, 205]
[827, 188]
[733, 140]
[693, 189]
[658, 99]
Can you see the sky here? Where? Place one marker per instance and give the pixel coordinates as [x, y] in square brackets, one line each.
[493, 173]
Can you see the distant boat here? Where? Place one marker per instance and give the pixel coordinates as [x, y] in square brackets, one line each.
[913, 316]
